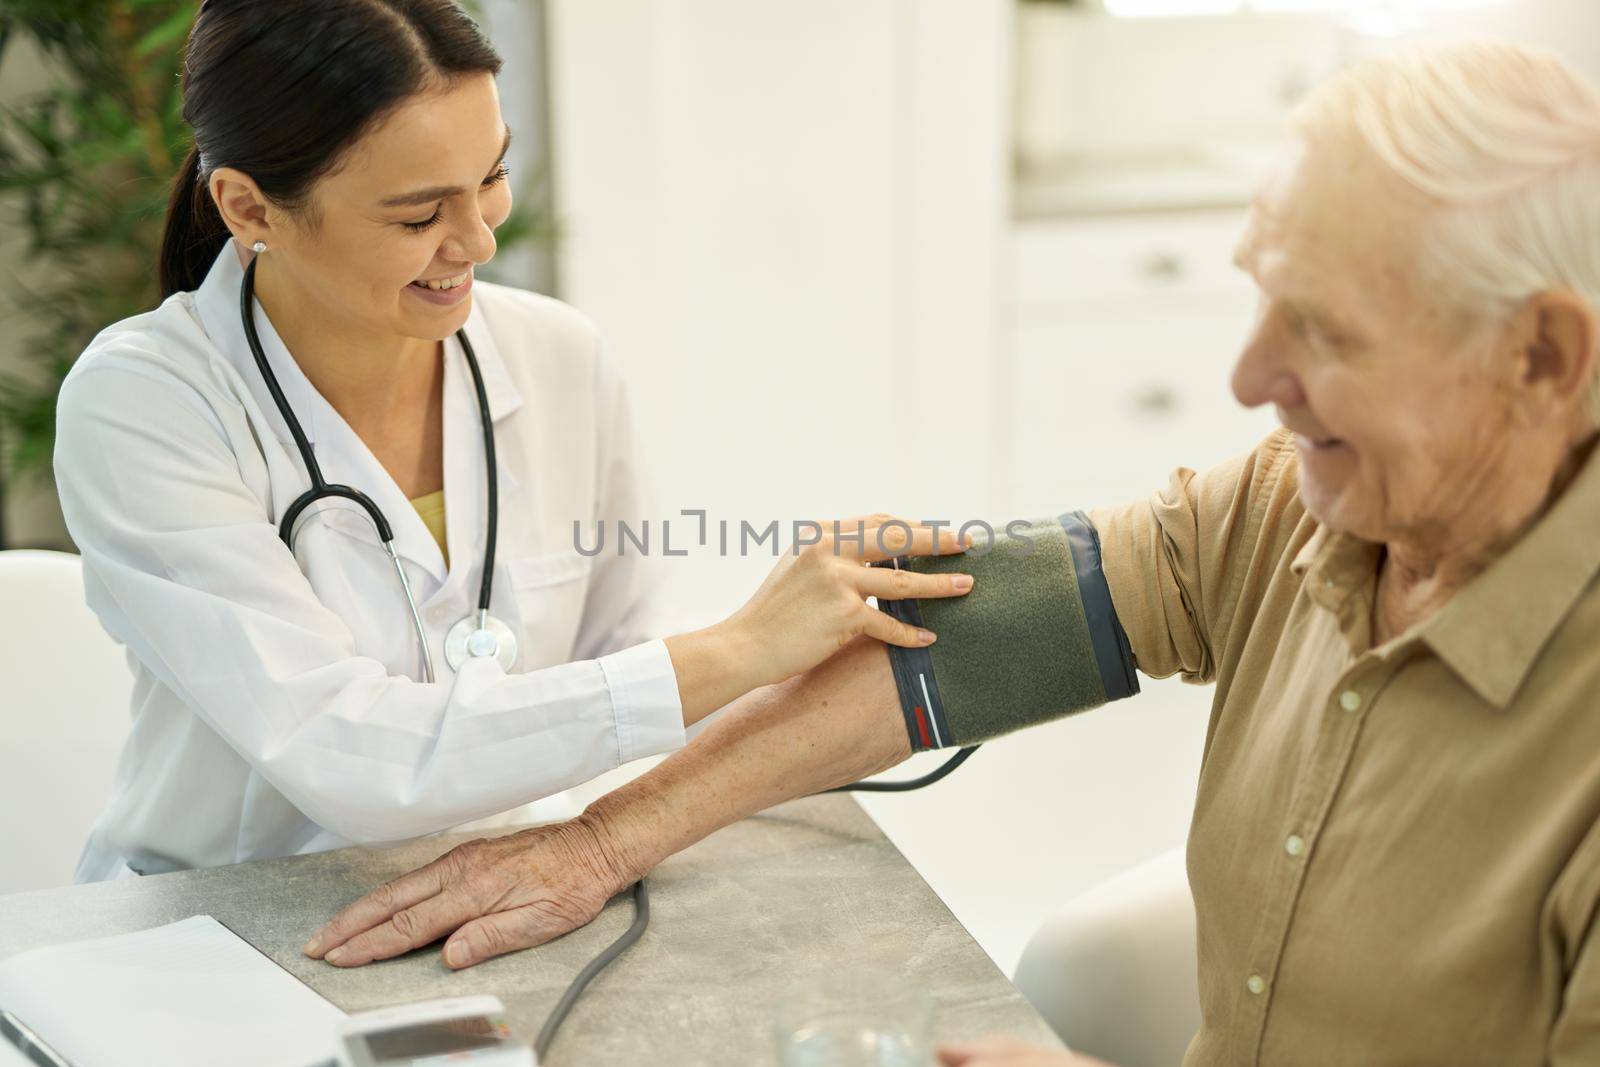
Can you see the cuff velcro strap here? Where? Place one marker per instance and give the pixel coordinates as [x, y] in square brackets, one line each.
[1035, 640]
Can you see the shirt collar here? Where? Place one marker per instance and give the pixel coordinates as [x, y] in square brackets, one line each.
[217, 302]
[1340, 574]
[1492, 631]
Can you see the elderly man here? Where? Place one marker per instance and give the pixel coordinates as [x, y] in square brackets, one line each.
[1395, 853]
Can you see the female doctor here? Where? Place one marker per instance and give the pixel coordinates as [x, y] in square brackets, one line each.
[325, 493]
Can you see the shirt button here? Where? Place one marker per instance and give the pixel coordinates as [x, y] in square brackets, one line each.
[1350, 700]
[1256, 984]
[1295, 845]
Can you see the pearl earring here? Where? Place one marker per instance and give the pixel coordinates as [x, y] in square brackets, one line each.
[259, 246]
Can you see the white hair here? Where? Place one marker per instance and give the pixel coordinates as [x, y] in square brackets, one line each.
[1506, 140]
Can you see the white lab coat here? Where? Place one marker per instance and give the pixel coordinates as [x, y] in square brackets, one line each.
[274, 707]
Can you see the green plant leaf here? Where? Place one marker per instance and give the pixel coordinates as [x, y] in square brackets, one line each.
[172, 29]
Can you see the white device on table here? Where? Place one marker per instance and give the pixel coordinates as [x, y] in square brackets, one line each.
[458, 1032]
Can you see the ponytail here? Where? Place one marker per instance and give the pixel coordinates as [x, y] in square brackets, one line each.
[195, 232]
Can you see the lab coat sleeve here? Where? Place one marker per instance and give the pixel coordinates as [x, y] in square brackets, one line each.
[632, 587]
[624, 615]
[626, 602]
[183, 565]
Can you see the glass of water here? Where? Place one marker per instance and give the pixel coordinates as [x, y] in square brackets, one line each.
[856, 1020]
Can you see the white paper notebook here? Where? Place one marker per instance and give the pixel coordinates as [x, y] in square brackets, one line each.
[191, 994]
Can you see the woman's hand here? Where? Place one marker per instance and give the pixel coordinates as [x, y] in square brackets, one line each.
[815, 600]
[813, 604]
[1010, 1052]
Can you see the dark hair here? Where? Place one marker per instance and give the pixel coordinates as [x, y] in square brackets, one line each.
[281, 89]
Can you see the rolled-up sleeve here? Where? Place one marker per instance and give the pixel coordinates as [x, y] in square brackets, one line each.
[1176, 562]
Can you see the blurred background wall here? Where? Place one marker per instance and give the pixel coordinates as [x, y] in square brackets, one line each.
[949, 258]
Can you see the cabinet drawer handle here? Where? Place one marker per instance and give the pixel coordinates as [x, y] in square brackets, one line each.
[1155, 399]
[1162, 267]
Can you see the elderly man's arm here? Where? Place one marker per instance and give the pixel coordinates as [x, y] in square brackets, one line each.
[1186, 565]
[834, 725]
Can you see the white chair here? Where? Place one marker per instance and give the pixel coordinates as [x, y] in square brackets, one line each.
[1114, 972]
[63, 717]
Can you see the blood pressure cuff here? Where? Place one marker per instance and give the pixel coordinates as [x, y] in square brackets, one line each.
[1036, 639]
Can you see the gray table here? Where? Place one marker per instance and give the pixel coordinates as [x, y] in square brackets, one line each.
[807, 890]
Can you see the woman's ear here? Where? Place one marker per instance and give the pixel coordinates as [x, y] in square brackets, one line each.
[1558, 353]
[242, 206]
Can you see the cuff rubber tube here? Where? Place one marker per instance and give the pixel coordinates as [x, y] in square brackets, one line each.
[1036, 639]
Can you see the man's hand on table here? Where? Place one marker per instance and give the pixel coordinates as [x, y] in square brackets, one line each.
[1010, 1052]
[491, 896]
[830, 726]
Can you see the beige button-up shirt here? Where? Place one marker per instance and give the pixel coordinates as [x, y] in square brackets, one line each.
[1395, 852]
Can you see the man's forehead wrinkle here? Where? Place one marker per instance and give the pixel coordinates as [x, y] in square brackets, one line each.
[1263, 224]
[1330, 231]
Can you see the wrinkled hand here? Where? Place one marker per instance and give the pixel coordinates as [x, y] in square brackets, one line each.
[1010, 1052]
[497, 895]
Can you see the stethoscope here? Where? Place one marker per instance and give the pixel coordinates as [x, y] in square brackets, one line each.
[477, 636]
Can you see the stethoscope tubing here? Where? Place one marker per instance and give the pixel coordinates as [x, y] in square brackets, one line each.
[321, 489]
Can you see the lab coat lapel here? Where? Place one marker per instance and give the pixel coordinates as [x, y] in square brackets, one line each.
[346, 459]
[504, 396]
[217, 302]
[342, 455]
[465, 466]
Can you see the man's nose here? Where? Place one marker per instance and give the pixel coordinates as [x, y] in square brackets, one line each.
[1264, 375]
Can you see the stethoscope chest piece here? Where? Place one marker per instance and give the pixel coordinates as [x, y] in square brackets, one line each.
[480, 635]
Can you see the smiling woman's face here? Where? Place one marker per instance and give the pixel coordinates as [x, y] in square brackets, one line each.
[1403, 408]
[417, 198]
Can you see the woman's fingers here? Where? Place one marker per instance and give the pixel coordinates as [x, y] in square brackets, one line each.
[898, 538]
[891, 631]
[883, 536]
[379, 906]
[886, 584]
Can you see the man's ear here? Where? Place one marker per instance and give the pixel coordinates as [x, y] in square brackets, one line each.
[1558, 356]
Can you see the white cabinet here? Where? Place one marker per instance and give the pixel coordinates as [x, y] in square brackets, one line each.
[1124, 334]
[787, 222]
